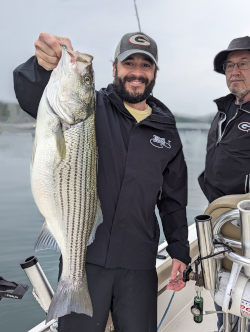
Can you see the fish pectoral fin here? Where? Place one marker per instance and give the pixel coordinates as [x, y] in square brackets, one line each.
[46, 240]
[55, 125]
[60, 142]
[97, 222]
[33, 152]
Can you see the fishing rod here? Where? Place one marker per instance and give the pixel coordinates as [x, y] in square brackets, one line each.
[137, 15]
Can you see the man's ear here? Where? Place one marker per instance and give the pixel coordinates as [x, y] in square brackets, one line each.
[155, 73]
[114, 69]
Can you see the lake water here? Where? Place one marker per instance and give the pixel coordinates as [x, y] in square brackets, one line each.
[21, 222]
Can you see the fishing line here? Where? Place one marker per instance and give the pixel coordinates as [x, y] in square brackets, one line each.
[137, 15]
[229, 249]
[166, 311]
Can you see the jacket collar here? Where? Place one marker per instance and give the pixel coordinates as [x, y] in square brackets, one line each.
[224, 103]
[160, 113]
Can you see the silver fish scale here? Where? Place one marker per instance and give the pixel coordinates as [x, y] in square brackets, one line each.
[75, 188]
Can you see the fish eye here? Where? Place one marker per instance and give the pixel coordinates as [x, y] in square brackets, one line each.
[87, 79]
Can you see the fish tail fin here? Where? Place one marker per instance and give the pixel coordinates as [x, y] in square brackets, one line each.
[70, 296]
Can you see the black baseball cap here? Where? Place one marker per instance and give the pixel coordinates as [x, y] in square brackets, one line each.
[237, 44]
[136, 42]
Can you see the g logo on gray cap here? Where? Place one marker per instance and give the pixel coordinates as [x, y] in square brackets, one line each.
[139, 39]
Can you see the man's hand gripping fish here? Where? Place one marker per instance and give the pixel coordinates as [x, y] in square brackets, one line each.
[64, 176]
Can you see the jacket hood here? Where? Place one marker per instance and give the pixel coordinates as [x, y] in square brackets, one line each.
[224, 103]
[160, 112]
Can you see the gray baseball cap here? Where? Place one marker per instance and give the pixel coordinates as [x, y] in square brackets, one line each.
[236, 44]
[136, 42]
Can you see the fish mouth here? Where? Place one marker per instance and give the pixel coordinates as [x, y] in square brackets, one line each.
[79, 61]
[77, 56]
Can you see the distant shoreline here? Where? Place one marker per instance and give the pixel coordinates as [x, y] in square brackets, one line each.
[12, 114]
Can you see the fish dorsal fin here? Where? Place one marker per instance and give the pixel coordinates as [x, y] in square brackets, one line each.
[46, 240]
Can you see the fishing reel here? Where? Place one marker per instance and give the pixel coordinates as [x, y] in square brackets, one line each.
[18, 290]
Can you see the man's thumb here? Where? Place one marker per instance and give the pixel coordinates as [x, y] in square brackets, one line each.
[174, 272]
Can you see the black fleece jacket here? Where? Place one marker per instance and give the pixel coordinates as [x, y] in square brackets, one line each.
[227, 169]
[140, 165]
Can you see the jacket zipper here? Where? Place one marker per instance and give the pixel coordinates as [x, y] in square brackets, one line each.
[220, 125]
[220, 136]
[222, 120]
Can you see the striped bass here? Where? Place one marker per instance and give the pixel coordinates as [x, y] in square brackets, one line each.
[64, 177]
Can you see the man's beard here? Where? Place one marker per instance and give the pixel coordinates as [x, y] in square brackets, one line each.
[235, 89]
[132, 97]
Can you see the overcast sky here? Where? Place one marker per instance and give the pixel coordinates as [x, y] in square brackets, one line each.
[189, 34]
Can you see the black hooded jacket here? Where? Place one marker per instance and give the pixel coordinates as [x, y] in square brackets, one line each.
[140, 165]
[227, 169]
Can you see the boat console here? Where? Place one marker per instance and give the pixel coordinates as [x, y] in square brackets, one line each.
[223, 264]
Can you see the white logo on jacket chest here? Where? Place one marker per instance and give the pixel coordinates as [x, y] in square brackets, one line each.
[160, 142]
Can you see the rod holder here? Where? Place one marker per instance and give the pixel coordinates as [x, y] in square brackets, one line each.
[206, 247]
[42, 291]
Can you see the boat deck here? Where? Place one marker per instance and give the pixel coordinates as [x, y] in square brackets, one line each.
[182, 321]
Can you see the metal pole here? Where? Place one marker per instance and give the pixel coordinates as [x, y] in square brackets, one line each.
[239, 325]
[244, 208]
[42, 291]
[243, 324]
[231, 321]
[137, 15]
[206, 247]
[228, 321]
[233, 215]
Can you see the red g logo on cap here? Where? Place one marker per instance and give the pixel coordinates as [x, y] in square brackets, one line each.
[139, 39]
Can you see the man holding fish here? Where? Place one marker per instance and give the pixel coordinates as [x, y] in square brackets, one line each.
[140, 165]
